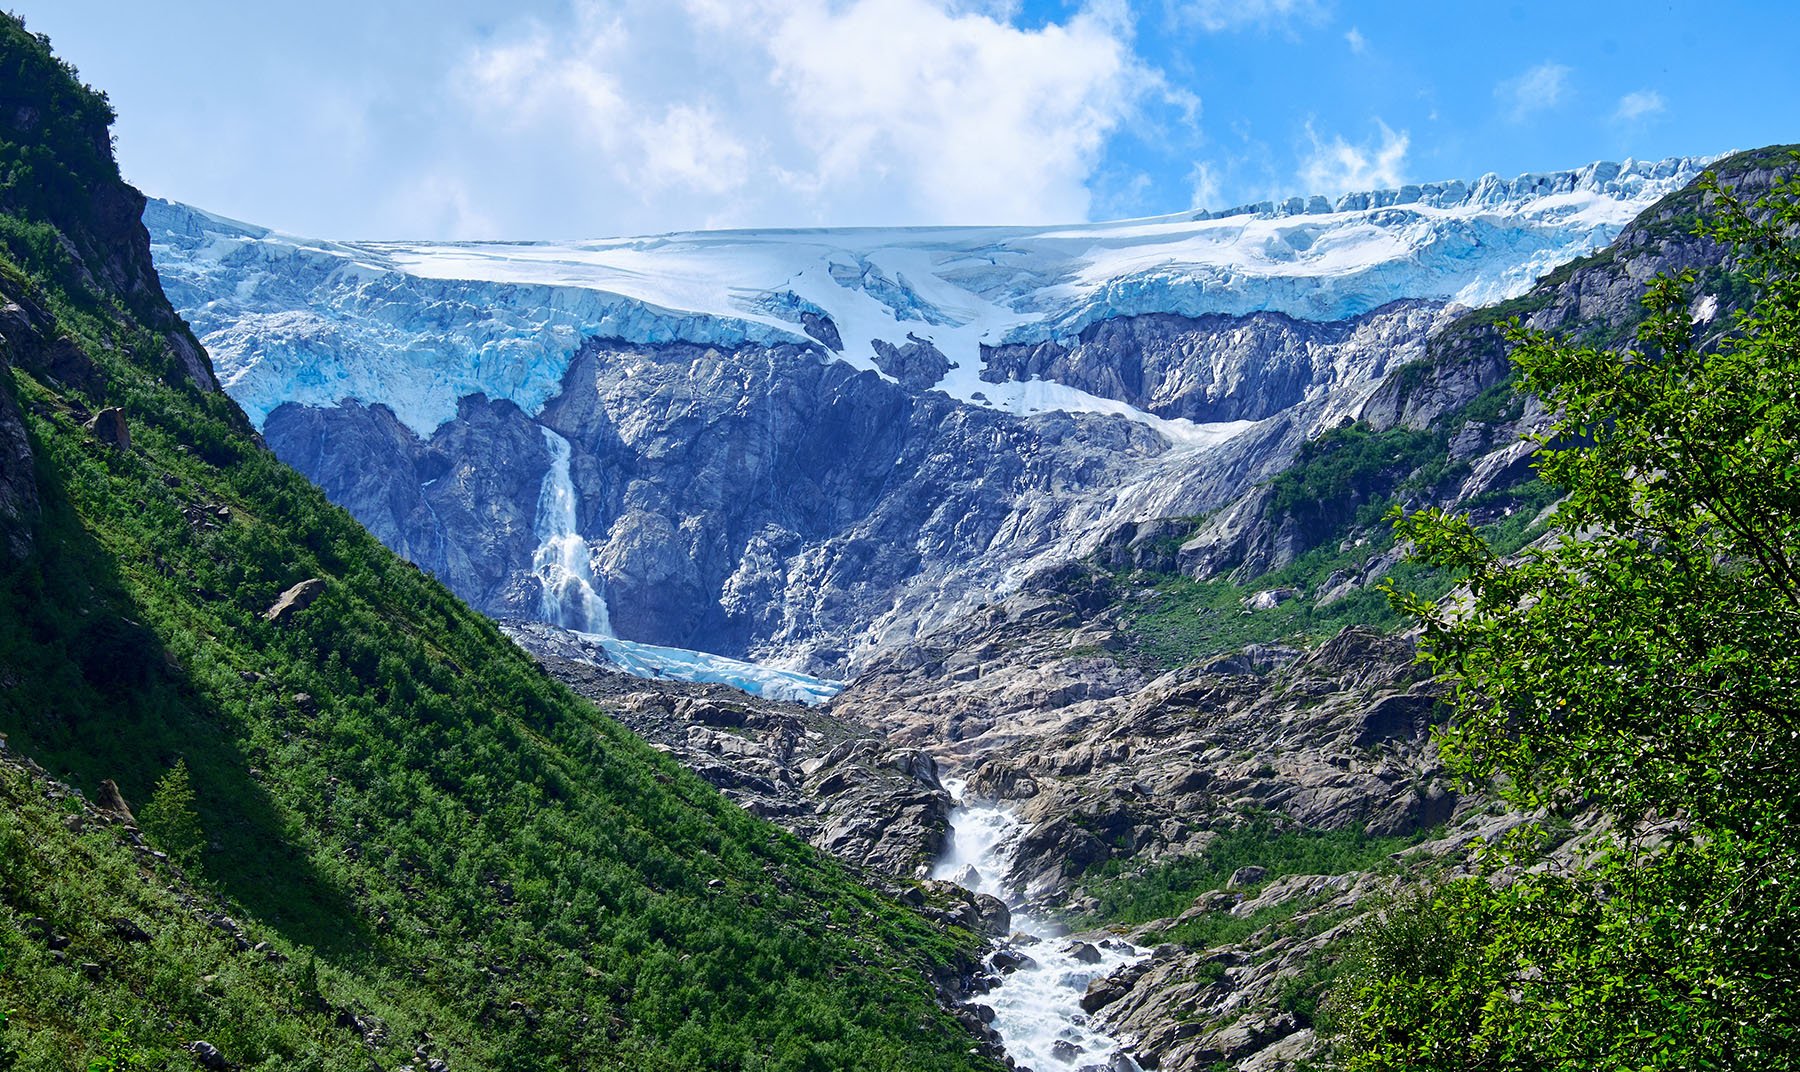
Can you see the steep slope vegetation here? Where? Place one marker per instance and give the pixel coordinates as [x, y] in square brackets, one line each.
[428, 850]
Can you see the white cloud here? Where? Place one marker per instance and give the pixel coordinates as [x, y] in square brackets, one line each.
[661, 115]
[1337, 167]
[1203, 180]
[1216, 15]
[1357, 42]
[1540, 88]
[1638, 105]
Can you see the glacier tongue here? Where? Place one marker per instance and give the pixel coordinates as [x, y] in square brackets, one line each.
[663, 663]
[418, 326]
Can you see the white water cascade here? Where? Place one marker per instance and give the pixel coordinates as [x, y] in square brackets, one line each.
[563, 562]
[1037, 1006]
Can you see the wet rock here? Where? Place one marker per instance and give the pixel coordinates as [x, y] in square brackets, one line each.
[1006, 961]
[993, 918]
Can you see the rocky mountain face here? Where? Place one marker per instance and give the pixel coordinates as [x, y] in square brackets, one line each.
[813, 448]
[1219, 367]
[1121, 764]
[827, 778]
[745, 499]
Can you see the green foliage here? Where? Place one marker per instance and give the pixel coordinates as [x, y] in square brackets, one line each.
[1175, 620]
[1353, 465]
[170, 819]
[1644, 665]
[117, 1054]
[1124, 894]
[8, 1056]
[54, 170]
[1343, 483]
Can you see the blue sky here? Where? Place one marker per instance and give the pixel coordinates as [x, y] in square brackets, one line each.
[588, 118]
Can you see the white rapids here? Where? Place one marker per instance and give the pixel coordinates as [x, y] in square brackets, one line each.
[1037, 1007]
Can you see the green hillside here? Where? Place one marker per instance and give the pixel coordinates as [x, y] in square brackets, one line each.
[449, 856]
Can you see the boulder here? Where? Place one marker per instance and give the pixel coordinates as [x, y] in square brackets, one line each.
[111, 801]
[295, 600]
[206, 1055]
[1246, 876]
[109, 427]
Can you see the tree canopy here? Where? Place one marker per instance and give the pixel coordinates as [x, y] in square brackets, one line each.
[1638, 669]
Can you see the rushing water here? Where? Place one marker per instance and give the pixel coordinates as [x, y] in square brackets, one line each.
[563, 561]
[1037, 1007]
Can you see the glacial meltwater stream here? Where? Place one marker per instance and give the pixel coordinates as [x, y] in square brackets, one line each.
[563, 561]
[1037, 1006]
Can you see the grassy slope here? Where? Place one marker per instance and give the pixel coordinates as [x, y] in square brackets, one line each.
[451, 841]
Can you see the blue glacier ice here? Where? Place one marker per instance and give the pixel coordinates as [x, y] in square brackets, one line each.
[418, 325]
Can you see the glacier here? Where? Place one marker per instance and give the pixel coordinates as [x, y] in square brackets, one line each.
[417, 326]
[803, 448]
[663, 663]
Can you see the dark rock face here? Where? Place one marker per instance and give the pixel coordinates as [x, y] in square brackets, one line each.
[735, 501]
[824, 329]
[1221, 368]
[917, 365]
[18, 482]
[766, 501]
[461, 505]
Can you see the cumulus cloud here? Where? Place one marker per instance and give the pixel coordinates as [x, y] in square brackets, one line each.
[1337, 166]
[1216, 15]
[1357, 42]
[1639, 105]
[705, 112]
[1541, 88]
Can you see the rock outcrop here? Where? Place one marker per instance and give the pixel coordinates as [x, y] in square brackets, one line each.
[1223, 368]
[294, 600]
[829, 780]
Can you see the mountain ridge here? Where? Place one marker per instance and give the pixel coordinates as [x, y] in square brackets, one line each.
[956, 461]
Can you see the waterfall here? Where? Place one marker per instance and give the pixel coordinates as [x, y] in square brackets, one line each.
[1037, 1006]
[563, 562]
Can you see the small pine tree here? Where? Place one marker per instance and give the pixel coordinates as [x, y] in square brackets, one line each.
[170, 819]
